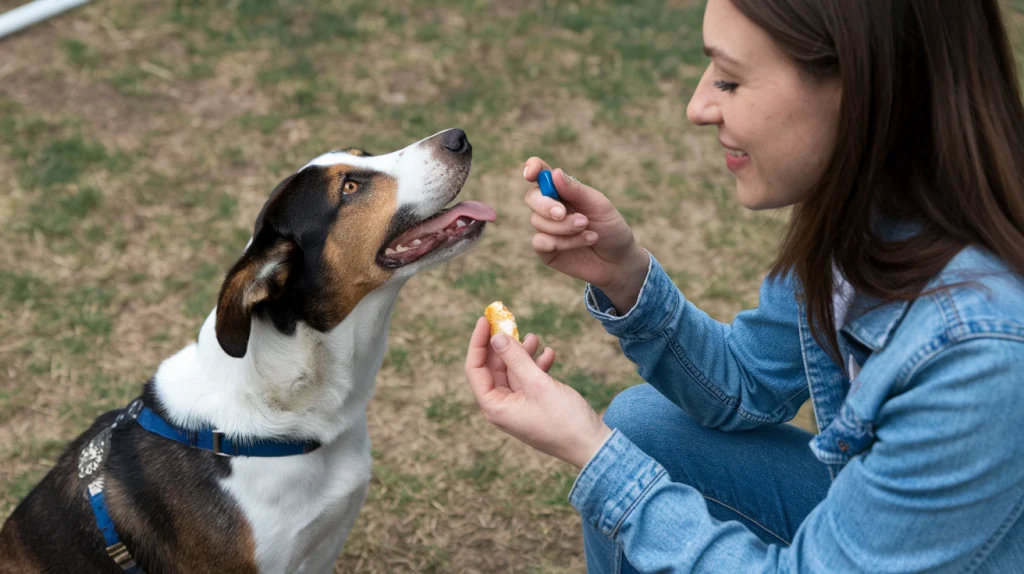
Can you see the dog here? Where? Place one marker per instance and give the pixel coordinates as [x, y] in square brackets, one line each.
[279, 376]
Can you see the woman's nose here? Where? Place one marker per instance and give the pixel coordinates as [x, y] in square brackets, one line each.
[703, 108]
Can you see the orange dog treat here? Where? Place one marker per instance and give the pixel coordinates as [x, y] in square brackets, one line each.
[501, 319]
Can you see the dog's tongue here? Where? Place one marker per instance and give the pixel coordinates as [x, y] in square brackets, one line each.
[465, 210]
[473, 210]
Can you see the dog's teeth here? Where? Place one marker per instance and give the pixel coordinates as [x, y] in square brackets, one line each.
[389, 252]
[402, 248]
[416, 242]
[460, 223]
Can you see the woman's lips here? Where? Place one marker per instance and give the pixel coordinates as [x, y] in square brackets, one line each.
[736, 160]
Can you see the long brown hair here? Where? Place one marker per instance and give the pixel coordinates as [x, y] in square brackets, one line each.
[931, 131]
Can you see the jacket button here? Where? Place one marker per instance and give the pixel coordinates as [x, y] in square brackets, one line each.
[843, 446]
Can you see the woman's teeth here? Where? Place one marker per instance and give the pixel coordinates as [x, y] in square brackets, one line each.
[736, 153]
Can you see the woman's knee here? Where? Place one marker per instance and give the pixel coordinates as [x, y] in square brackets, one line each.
[647, 418]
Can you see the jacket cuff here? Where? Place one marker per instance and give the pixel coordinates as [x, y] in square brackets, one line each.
[611, 484]
[655, 304]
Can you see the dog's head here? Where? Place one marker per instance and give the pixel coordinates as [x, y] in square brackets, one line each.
[344, 225]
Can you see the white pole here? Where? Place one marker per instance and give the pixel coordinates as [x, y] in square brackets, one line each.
[37, 11]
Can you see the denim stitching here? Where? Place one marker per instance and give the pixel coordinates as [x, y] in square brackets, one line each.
[807, 369]
[929, 352]
[636, 501]
[591, 462]
[712, 389]
[949, 315]
[698, 376]
[952, 305]
[761, 526]
[986, 548]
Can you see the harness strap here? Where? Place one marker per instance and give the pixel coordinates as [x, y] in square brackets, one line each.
[90, 468]
[116, 549]
[92, 458]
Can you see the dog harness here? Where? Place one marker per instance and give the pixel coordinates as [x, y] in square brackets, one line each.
[92, 457]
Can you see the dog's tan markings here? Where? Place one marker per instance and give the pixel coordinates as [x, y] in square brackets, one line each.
[335, 175]
[15, 556]
[251, 282]
[356, 152]
[210, 532]
[350, 268]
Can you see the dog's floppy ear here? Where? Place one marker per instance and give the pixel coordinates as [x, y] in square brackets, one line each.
[258, 276]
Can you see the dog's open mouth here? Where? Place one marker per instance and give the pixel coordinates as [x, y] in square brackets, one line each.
[462, 221]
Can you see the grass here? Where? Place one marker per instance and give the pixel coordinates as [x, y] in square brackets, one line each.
[140, 140]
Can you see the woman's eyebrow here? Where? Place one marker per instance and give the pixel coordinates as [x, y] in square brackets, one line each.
[717, 54]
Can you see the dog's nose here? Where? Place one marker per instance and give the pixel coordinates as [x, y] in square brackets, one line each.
[456, 141]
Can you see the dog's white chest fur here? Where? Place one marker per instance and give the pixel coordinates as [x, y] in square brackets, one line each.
[312, 385]
[301, 510]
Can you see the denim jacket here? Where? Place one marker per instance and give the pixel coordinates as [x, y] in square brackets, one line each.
[922, 432]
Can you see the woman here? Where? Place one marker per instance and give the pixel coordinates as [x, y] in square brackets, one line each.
[894, 128]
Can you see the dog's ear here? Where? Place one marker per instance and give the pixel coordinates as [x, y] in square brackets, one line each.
[258, 276]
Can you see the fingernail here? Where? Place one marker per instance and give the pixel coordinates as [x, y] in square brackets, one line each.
[590, 237]
[580, 222]
[525, 169]
[558, 212]
[499, 341]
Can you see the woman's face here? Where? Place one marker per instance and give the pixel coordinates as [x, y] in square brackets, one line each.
[778, 127]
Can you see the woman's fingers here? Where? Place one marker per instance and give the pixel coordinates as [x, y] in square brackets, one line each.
[534, 166]
[571, 225]
[544, 243]
[544, 206]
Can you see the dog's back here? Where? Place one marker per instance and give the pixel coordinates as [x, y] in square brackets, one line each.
[164, 497]
[32, 541]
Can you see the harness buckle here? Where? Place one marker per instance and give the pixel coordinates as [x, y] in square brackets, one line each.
[121, 556]
[217, 445]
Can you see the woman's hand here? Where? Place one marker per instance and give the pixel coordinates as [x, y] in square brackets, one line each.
[585, 236]
[517, 395]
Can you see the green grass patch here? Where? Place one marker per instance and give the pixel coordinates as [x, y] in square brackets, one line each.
[397, 358]
[598, 393]
[481, 283]
[60, 213]
[486, 468]
[445, 410]
[62, 161]
[551, 320]
[78, 54]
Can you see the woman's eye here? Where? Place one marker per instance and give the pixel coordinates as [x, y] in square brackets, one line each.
[726, 86]
[350, 187]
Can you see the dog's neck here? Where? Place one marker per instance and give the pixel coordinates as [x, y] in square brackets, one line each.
[308, 385]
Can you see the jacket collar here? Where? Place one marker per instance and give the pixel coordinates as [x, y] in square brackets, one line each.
[872, 323]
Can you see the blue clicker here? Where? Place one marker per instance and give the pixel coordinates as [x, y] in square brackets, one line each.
[547, 185]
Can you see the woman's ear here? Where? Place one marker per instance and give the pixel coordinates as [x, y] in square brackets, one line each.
[259, 275]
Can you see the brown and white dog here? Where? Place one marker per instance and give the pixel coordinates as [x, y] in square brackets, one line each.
[291, 351]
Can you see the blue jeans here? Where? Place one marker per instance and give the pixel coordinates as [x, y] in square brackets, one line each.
[766, 478]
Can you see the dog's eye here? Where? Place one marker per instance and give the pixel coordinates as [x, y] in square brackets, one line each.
[350, 187]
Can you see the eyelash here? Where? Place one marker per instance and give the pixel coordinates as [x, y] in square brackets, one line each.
[726, 86]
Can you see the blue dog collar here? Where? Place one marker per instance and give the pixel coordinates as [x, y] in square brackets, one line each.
[215, 441]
